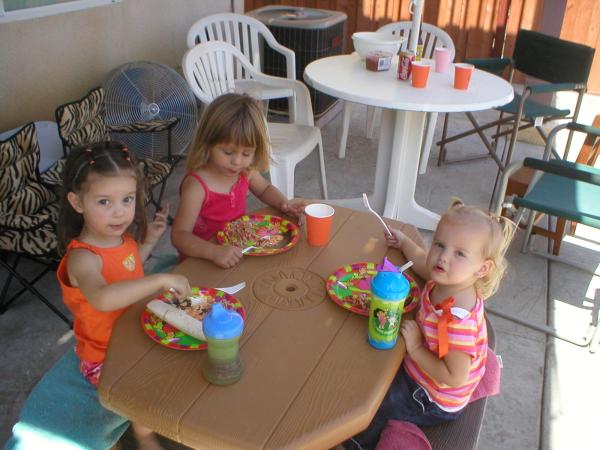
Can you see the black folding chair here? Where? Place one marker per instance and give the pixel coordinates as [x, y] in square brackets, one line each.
[562, 66]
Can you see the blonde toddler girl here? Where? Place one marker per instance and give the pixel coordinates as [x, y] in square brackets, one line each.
[446, 345]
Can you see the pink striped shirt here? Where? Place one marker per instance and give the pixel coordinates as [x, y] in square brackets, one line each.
[466, 333]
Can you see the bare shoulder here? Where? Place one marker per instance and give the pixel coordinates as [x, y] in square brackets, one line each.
[191, 186]
[82, 263]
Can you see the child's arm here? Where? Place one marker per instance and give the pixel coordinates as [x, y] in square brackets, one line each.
[154, 232]
[182, 236]
[410, 250]
[452, 369]
[270, 195]
[85, 272]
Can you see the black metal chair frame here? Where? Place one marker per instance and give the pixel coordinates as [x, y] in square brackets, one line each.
[543, 57]
[50, 264]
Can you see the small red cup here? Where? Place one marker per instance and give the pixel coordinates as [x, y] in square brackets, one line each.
[462, 75]
[420, 73]
[319, 218]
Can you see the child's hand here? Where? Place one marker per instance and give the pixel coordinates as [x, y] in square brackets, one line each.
[295, 207]
[158, 226]
[177, 284]
[412, 335]
[395, 240]
[226, 256]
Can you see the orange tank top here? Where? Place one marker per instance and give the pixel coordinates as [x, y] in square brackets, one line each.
[92, 328]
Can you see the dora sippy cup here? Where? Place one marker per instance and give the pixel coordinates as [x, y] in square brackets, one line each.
[222, 329]
[389, 291]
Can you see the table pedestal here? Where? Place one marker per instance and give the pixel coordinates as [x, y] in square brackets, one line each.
[402, 130]
[396, 172]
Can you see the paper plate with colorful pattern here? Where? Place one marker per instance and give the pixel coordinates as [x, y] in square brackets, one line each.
[270, 234]
[350, 287]
[171, 337]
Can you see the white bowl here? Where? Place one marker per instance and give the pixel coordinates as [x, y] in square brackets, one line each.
[369, 41]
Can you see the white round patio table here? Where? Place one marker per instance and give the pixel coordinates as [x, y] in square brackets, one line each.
[402, 122]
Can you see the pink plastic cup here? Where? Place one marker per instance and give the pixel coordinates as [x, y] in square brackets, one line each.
[441, 56]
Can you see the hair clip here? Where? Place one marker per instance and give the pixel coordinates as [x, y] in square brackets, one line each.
[91, 160]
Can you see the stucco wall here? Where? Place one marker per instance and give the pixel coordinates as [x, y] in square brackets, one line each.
[52, 60]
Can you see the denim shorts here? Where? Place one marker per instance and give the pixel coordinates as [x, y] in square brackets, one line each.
[405, 400]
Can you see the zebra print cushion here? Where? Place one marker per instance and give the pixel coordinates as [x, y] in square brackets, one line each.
[21, 191]
[52, 178]
[39, 240]
[82, 121]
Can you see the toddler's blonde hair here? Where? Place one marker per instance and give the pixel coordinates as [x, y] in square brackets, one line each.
[500, 233]
[231, 118]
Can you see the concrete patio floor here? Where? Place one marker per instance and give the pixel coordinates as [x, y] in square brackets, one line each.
[548, 398]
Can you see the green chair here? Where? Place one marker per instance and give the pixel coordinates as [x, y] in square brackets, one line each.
[562, 189]
[561, 65]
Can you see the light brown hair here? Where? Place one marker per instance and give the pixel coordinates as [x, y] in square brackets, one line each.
[231, 118]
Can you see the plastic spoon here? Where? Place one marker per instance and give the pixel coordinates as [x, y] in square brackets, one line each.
[368, 206]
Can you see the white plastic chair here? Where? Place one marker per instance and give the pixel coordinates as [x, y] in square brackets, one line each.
[210, 71]
[432, 37]
[249, 36]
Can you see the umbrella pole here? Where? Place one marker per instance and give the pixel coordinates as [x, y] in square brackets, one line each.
[416, 9]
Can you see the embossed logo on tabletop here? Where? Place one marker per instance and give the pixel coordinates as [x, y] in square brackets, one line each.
[289, 288]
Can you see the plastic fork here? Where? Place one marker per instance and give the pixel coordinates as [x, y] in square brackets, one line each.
[368, 206]
[247, 249]
[233, 289]
[406, 266]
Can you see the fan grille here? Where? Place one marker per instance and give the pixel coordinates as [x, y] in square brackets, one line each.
[144, 91]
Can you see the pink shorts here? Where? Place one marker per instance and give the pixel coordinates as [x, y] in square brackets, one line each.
[91, 371]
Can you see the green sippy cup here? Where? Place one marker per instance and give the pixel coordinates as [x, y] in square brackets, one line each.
[222, 329]
[389, 291]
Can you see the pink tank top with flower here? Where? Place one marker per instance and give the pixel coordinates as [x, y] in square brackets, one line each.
[219, 208]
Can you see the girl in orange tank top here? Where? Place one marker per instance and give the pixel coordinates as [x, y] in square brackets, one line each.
[101, 221]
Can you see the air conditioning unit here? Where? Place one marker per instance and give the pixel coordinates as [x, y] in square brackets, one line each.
[312, 34]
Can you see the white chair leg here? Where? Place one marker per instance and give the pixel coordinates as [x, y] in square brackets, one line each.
[282, 177]
[373, 115]
[346, 113]
[427, 141]
[292, 109]
[322, 169]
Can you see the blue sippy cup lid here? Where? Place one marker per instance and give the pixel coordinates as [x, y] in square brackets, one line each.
[390, 285]
[221, 323]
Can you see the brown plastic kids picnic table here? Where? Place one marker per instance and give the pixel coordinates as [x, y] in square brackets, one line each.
[310, 378]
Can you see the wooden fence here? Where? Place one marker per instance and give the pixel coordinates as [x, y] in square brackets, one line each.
[475, 26]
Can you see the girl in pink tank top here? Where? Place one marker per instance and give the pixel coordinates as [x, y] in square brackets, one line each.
[231, 149]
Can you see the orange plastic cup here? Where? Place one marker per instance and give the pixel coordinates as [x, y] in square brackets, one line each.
[462, 75]
[319, 218]
[420, 73]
